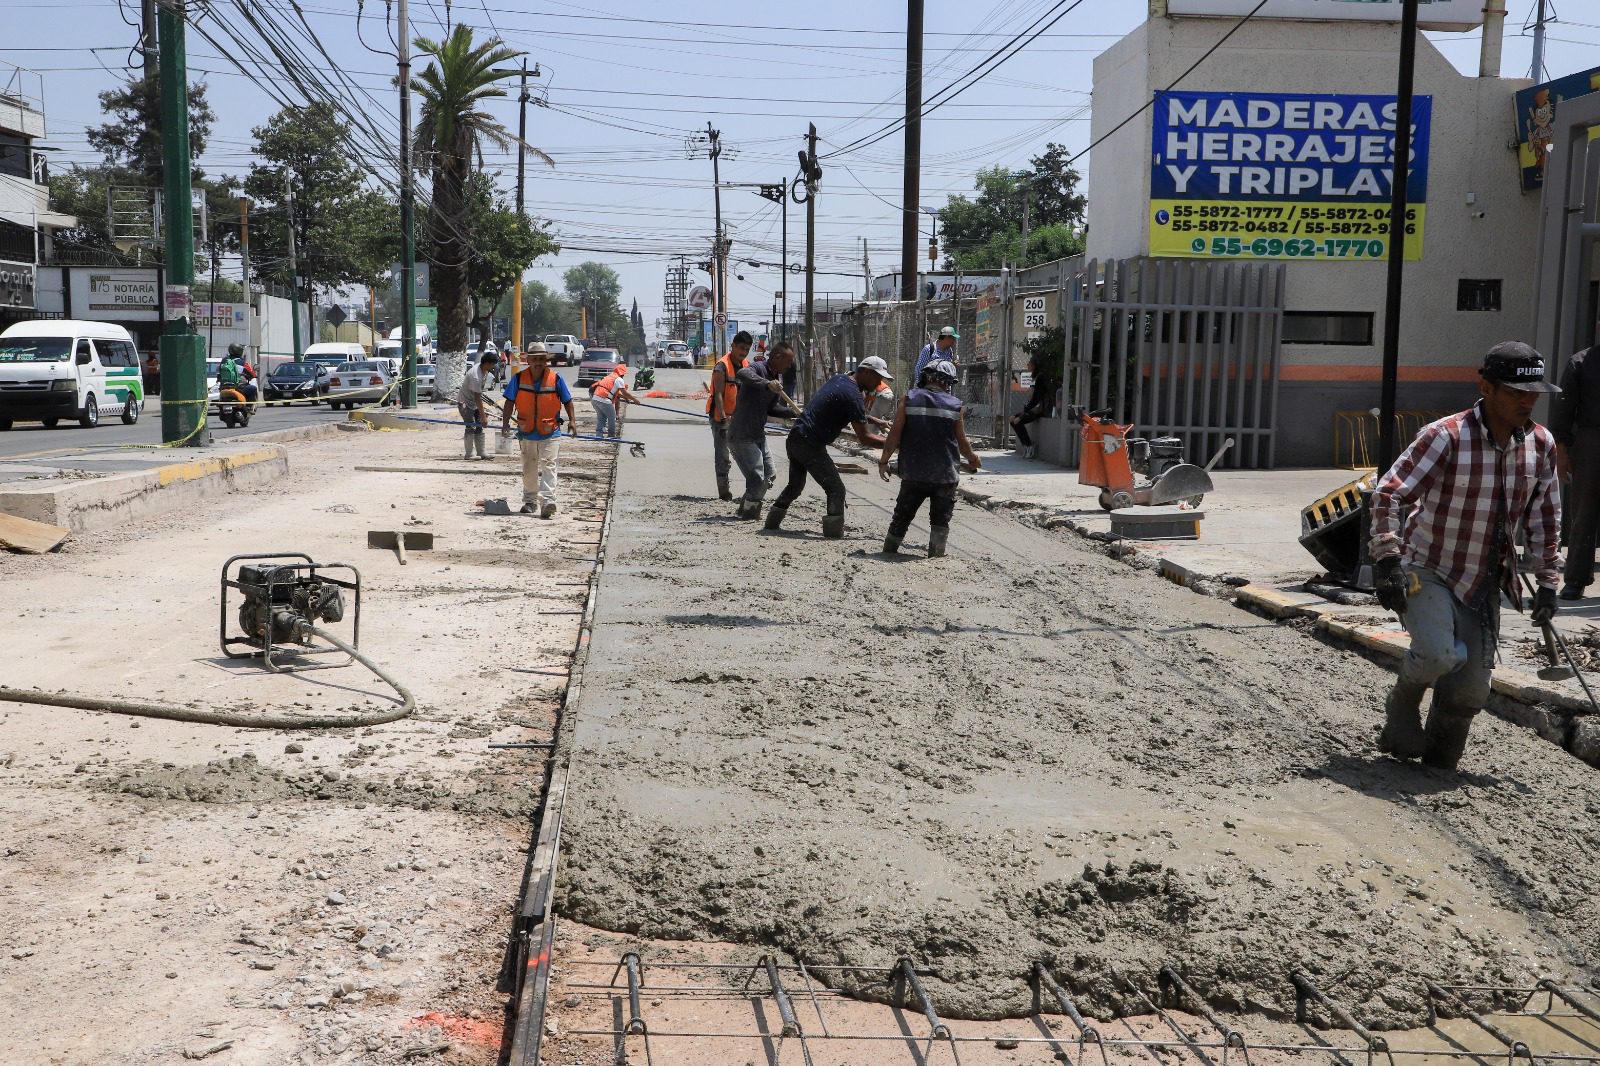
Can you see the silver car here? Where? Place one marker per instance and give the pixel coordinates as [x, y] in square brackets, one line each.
[365, 382]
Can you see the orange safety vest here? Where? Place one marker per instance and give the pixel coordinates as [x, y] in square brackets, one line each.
[538, 406]
[730, 386]
[606, 386]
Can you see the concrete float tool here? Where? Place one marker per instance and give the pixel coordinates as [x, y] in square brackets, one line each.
[400, 541]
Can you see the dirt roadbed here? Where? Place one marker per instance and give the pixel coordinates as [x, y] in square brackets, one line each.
[1028, 752]
[285, 897]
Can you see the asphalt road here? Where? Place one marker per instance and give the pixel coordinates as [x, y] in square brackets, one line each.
[31, 438]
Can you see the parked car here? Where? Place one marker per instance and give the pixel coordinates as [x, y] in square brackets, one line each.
[68, 369]
[334, 353]
[677, 354]
[666, 349]
[597, 363]
[427, 373]
[298, 381]
[365, 382]
[564, 349]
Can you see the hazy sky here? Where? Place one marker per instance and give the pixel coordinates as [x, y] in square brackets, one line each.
[629, 89]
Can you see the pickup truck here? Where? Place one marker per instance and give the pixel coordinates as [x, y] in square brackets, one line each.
[564, 349]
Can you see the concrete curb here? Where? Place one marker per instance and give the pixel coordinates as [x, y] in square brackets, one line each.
[86, 506]
[316, 431]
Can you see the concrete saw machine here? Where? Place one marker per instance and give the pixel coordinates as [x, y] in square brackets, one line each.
[1138, 471]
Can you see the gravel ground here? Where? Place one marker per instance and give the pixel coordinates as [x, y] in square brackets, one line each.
[301, 897]
[1028, 751]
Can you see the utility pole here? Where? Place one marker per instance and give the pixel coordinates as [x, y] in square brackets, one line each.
[912, 194]
[1536, 71]
[183, 411]
[244, 263]
[813, 177]
[294, 268]
[522, 162]
[147, 42]
[1027, 204]
[1398, 199]
[408, 225]
[719, 255]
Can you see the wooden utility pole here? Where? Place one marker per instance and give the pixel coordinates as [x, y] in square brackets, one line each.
[522, 163]
[912, 192]
[813, 175]
[408, 235]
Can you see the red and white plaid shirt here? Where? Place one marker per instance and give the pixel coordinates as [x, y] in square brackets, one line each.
[1452, 479]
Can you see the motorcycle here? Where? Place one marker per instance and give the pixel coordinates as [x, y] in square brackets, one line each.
[233, 406]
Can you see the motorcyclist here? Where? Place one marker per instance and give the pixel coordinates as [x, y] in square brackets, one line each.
[237, 373]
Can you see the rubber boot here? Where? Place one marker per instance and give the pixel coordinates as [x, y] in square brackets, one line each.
[937, 535]
[477, 440]
[833, 526]
[775, 516]
[723, 491]
[891, 544]
[1447, 731]
[469, 444]
[1402, 734]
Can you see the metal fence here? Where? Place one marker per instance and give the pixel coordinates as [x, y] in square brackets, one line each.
[897, 332]
[1179, 347]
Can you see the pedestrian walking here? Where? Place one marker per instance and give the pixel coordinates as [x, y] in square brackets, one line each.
[469, 402]
[536, 396]
[1040, 402]
[941, 347]
[720, 406]
[1575, 424]
[1473, 484]
[931, 439]
[760, 398]
[604, 395]
[839, 403]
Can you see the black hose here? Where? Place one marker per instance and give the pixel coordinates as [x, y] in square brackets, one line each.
[240, 719]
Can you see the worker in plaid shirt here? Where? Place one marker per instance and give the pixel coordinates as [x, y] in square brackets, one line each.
[1472, 483]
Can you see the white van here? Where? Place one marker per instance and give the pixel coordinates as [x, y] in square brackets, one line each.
[68, 369]
[390, 349]
[334, 353]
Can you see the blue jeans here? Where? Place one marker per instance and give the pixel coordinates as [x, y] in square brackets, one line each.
[1452, 645]
[605, 417]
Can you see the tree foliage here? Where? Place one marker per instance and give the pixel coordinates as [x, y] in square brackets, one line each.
[544, 310]
[504, 244]
[345, 232]
[986, 231]
[597, 287]
[452, 131]
[131, 141]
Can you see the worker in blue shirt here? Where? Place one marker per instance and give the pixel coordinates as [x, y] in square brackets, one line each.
[535, 397]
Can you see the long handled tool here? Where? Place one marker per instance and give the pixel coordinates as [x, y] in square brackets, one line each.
[669, 410]
[1553, 636]
[400, 541]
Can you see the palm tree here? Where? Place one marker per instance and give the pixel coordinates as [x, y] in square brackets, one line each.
[452, 130]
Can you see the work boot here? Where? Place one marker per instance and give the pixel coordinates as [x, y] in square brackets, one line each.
[1402, 734]
[1446, 734]
[937, 535]
[1569, 591]
[749, 509]
[723, 491]
[833, 526]
[891, 544]
[775, 516]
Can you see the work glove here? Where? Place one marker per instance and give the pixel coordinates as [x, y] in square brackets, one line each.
[1390, 582]
[1544, 606]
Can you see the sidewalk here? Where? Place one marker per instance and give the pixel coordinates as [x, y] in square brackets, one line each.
[1250, 538]
[85, 489]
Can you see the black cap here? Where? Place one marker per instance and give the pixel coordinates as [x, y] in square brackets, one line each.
[1517, 365]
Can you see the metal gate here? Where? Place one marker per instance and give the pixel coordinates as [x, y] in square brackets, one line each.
[1178, 347]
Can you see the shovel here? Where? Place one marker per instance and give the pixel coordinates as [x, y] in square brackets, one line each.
[400, 541]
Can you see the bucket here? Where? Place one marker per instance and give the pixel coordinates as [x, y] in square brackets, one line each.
[502, 443]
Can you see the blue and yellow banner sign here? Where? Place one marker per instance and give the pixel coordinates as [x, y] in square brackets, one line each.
[1281, 175]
